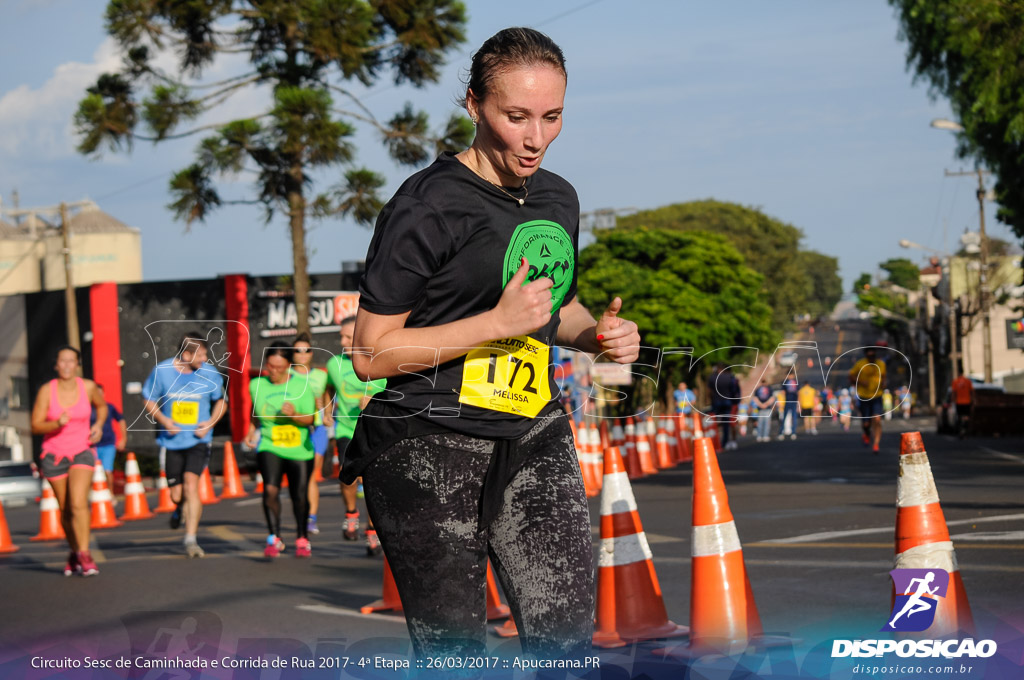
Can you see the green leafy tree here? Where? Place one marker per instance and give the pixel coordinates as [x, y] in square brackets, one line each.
[969, 51]
[826, 286]
[768, 246]
[303, 52]
[902, 272]
[862, 283]
[888, 305]
[683, 289]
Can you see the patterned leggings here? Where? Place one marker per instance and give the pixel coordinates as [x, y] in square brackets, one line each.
[423, 495]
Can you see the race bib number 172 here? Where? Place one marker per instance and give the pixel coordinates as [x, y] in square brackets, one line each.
[509, 375]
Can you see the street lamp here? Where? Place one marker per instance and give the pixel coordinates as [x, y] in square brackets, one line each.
[983, 292]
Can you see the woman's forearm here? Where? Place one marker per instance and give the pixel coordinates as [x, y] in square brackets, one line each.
[418, 348]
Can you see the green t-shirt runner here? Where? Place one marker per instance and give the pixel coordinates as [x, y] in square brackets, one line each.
[349, 391]
[277, 434]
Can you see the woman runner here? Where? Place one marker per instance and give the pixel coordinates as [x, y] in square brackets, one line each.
[470, 279]
[283, 408]
[303, 367]
[61, 414]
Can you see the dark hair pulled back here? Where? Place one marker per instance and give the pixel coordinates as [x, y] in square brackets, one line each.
[509, 48]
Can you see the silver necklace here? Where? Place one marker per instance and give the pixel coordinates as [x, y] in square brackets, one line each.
[503, 190]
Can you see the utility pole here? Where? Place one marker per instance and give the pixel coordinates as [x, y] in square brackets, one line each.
[983, 292]
[70, 305]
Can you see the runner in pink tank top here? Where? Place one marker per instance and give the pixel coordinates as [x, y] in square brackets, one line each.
[73, 437]
[61, 414]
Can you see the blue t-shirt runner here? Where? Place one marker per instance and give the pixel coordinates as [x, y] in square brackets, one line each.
[186, 398]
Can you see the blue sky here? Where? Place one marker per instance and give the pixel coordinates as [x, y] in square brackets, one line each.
[803, 109]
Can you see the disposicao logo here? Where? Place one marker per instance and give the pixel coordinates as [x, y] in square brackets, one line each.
[917, 593]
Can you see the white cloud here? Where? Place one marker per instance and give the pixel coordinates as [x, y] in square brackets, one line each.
[37, 122]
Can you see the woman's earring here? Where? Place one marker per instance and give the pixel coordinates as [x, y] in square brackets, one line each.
[474, 121]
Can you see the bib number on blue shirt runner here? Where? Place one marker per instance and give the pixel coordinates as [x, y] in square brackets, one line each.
[509, 375]
[185, 412]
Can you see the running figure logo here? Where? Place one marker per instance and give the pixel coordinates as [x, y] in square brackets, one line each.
[917, 593]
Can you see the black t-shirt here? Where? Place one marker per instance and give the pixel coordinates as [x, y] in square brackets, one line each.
[443, 249]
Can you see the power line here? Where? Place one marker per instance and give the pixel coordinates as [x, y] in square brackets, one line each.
[134, 186]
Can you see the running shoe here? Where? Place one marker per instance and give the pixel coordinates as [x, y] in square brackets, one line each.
[193, 550]
[351, 532]
[359, 490]
[274, 548]
[372, 544]
[302, 548]
[175, 520]
[864, 438]
[85, 564]
[875, 449]
[792, 436]
[311, 526]
[72, 567]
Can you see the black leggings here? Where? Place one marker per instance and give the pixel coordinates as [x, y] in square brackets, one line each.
[423, 495]
[272, 467]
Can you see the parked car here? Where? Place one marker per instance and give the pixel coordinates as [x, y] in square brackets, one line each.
[787, 359]
[945, 414]
[19, 483]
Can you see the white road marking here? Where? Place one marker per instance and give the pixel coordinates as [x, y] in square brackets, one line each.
[990, 536]
[339, 611]
[1001, 454]
[825, 535]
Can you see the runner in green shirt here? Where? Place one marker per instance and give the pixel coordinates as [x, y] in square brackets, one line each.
[303, 366]
[351, 395]
[283, 408]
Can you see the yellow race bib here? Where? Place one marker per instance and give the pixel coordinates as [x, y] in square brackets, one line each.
[509, 375]
[286, 436]
[185, 412]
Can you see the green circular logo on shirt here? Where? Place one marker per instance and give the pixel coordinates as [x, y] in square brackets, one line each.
[549, 250]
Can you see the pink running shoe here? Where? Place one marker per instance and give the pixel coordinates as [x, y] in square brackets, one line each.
[86, 565]
[302, 548]
[274, 549]
[72, 567]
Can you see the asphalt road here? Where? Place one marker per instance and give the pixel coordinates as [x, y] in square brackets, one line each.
[815, 515]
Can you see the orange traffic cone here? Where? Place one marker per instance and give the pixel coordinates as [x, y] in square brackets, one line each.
[629, 603]
[50, 527]
[232, 477]
[135, 505]
[618, 435]
[164, 502]
[685, 439]
[507, 629]
[711, 432]
[594, 457]
[389, 600]
[723, 615]
[630, 458]
[922, 538]
[206, 493]
[102, 501]
[6, 545]
[605, 437]
[673, 441]
[495, 609]
[582, 457]
[643, 450]
[665, 458]
[259, 483]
